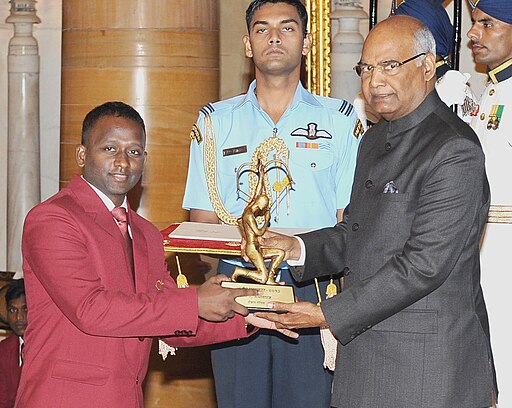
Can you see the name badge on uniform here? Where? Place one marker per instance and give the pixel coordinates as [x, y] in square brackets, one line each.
[234, 150]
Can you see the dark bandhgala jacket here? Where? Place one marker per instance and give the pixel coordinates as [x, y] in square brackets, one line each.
[412, 318]
[90, 326]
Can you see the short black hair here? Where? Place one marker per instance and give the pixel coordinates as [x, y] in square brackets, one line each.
[118, 109]
[15, 289]
[256, 4]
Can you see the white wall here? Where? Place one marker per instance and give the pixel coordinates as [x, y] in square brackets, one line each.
[48, 34]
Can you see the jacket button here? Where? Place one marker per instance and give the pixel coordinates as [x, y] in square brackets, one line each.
[387, 146]
[355, 227]
[368, 184]
[141, 338]
[346, 271]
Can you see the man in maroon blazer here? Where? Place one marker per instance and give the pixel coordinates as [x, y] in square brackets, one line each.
[95, 301]
[10, 359]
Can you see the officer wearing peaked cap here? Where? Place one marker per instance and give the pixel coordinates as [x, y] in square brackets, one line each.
[491, 42]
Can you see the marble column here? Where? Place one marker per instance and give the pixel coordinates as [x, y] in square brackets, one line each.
[347, 43]
[23, 171]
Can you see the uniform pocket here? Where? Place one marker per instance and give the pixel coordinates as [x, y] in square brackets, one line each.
[312, 160]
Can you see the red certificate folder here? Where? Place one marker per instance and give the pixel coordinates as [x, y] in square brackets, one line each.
[197, 244]
[202, 238]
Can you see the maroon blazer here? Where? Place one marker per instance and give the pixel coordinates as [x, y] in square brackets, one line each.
[90, 328]
[10, 370]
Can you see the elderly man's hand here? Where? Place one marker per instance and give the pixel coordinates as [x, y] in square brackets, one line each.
[267, 324]
[298, 315]
[273, 239]
[287, 243]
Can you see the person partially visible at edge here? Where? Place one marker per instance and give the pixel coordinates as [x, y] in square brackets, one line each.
[411, 323]
[10, 348]
[490, 38]
[321, 136]
[491, 43]
[97, 285]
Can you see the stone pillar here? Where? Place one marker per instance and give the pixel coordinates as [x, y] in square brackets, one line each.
[23, 172]
[347, 43]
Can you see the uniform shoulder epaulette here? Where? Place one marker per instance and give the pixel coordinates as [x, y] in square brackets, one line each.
[207, 109]
[346, 108]
[195, 133]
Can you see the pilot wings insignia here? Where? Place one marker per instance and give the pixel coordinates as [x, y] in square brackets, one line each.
[312, 132]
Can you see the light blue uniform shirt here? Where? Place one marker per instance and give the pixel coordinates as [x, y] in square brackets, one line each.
[322, 166]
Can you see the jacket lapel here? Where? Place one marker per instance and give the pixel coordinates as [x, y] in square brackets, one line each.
[95, 208]
[140, 253]
[92, 205]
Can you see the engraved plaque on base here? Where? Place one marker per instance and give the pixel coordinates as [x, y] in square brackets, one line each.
[269, 293]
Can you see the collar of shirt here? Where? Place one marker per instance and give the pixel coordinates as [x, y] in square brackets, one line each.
[20, 344]
[501, 73]
[301, 95]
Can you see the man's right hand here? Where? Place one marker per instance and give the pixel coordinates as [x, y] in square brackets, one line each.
[287, 243]
[218, 304]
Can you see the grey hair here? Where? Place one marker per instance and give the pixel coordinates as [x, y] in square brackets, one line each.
[424, 42]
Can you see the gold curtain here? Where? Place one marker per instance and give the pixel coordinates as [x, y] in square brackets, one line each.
[318, 62]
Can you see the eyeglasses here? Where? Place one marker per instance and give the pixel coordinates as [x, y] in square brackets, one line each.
[390, 67]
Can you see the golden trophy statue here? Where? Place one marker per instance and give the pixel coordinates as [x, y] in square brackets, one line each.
[251, 229]
[252, 224]
[262, 199]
